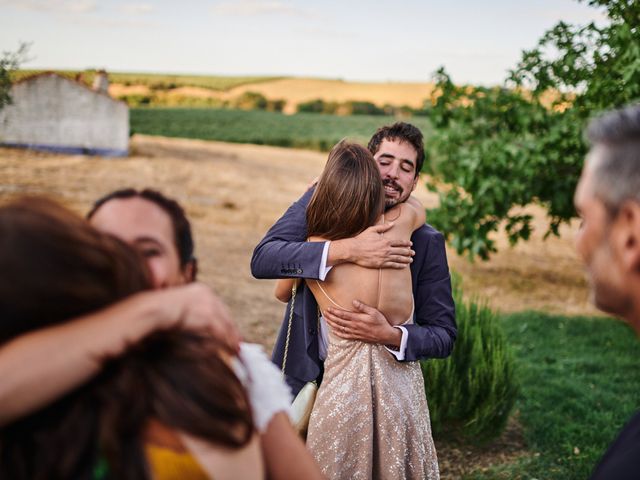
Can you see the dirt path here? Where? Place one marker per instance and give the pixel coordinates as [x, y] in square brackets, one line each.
[233, 193]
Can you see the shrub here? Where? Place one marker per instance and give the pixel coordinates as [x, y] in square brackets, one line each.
[251, 101]
[136, 99]
[276, 105]
[317, 106]
[353, 107]
[472, 393]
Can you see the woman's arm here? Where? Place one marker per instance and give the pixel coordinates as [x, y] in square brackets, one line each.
[283, 288]
[40, 367]
[281, 444]
[418, 208]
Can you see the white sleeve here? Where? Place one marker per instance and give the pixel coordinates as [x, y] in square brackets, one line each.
[263, 381]
[324, 270]
[399, 354]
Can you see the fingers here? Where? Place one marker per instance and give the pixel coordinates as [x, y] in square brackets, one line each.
[400, 258]
[204, 309]
[401, 243]
[340, 327]
[364, 308]
[338, 314]
[381, 228]
[400, 251]
[395, 265]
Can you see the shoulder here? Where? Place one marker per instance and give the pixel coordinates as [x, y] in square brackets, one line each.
[430, 248]
[426, 234]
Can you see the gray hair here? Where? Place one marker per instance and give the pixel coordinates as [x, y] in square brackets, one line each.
[617, 172]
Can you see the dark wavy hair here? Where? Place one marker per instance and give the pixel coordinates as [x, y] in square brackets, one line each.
[402, 132]
[55, 266]
[349, 196]
[183, 238]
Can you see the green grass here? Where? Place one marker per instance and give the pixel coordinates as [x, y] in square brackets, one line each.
[303, 130]
[159, 80]
[580, 382]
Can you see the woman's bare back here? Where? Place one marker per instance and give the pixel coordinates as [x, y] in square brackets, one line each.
[388, 290]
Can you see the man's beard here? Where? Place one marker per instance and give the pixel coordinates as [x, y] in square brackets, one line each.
[392, 202]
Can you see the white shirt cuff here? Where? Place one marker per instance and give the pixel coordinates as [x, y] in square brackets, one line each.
[324, 270]
[399, 354]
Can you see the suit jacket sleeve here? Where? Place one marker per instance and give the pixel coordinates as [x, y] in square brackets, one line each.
[434, 331]
[284, 251]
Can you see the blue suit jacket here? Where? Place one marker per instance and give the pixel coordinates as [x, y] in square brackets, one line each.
[284, 252]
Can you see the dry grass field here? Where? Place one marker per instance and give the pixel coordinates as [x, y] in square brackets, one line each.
[233, 193]
[298, 90]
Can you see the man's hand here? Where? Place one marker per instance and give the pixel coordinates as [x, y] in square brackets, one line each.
[196, 307]
[366, 324]
[370, 249]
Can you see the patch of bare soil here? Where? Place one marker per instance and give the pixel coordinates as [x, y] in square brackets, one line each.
[117, 90]
[233, 193]
[457, 460]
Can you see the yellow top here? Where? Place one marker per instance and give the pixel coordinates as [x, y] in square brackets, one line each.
[168, 464]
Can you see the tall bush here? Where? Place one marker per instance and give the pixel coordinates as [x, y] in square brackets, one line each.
[472, 393]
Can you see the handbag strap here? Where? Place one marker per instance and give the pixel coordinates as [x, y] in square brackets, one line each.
[286, 344]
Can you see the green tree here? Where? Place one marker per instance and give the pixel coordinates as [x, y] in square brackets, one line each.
[505, 147]
[9, 62]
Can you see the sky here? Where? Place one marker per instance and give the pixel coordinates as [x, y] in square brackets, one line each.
[476, 41]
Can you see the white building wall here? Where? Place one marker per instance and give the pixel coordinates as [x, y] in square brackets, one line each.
[52, 111]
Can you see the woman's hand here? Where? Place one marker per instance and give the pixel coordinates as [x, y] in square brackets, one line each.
[196, 307]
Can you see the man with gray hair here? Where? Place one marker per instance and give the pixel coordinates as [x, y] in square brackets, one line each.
[608, 201]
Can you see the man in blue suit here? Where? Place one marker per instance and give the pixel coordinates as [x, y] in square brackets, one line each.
[284, 253]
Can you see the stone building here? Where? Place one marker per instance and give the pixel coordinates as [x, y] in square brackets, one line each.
[52, 112]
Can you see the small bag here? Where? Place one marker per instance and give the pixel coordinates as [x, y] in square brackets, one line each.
[303, 403]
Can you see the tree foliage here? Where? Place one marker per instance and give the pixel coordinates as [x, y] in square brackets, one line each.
[9, 62]
[501, 148]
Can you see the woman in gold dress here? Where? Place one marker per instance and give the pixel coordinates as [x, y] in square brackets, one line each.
[370, 419]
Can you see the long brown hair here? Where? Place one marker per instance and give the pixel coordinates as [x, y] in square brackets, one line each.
[54, 267]
[349, 196]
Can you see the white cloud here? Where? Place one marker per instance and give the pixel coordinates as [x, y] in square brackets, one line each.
[257, 7]
[56, 6]
[136, 8]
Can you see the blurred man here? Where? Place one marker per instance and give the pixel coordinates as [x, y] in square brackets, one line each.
[608, 201]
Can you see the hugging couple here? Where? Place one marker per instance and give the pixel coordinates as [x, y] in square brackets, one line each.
[372, 297]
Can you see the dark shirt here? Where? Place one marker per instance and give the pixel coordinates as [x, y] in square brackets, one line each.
[622, 460]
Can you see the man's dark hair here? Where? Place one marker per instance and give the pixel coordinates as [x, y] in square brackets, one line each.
[403, 132]
[617, 171]
[181, 226]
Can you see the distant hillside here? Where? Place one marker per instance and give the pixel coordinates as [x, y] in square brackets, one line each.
[144, 89]
[160, 81]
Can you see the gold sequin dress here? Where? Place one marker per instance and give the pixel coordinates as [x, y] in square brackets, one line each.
[370, 419]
